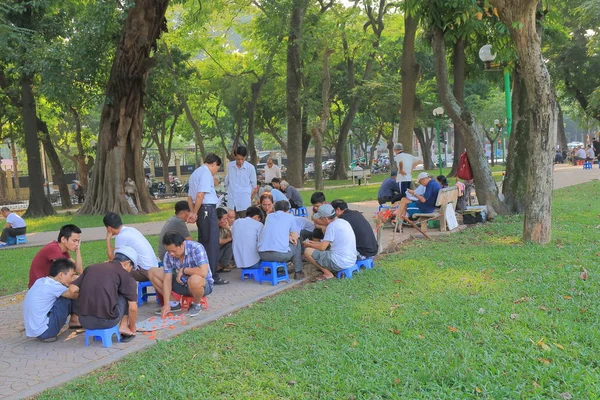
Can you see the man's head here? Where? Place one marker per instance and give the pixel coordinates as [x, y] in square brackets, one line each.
[112, 222]
[174, 244]
[317, 199]
[266, 202]
[394, 173]
[282, 205]
[240, 154]
[283, 185]
[339, 206]
[270, 162]
[276, 183]
[4, 211]
[423, 178]
[127, 257]
[255, 213]
[222, 217]
[69, 237]
[325, 215]
[213, 162]
[182, 210]
[398, 148]
[62, 271]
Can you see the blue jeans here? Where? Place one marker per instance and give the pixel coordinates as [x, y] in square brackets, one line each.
[57, 315]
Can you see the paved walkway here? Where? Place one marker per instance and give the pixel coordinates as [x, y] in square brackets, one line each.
[28, 366]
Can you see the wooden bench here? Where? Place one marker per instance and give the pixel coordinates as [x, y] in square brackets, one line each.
[364, 174]
[445, 196]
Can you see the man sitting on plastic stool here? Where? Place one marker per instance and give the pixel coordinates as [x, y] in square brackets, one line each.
[185, 272]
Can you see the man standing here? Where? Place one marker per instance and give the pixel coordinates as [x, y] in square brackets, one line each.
[177, 224]
[130, 237]
[202, 199]
[292, 194]
[240, 182]
[366, 242]
[49, 302]
[15, 226]
[340, 240]
[69, 239]
[389, 190]
[271, 171]
[405, 163]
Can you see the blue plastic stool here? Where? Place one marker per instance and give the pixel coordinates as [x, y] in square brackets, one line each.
[11, 241]
[301, 212]
[274, 276]
[143, 292]
[254, 273]
[383, 207]
[103, 334]
[348, 272]
[367, 263]
[21, 239]
[587, 165]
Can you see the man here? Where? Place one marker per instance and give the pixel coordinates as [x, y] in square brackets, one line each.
[108, 294]
[317, 200]
[176, 224]
[279, 239]
[292, 194]
[271, 171]
[589, 153]
[366, 242]
[131, 237]
[246, 232]
[48, 303]
[579, 155]
[596, 146]
[69, 239]
[78, 191]
[426, 201]
[340, 240]
[276, 191]
[389, 191]
[240, 182]
[186, 273]
[15, 226]
[203, 201]
[405, 163]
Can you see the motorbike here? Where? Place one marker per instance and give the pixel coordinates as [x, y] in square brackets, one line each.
[176, 187]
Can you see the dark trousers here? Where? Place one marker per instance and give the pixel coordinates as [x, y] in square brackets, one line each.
[7, 232]
[208, 235]
[57, 315]
[390, 199]
[225, 254]
[91, 322]
[404, 186]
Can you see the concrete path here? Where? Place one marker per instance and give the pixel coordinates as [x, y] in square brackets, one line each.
[28, 366]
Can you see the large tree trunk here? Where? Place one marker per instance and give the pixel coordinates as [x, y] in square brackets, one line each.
[561, 136]
[13, 150]
[39, 206]
[63, 189]
[306, 135]
[409, 73]
[119, 141]
[458, 89]
[80, 157]
[487, 190]
[320, 127]
[520, 18]
[425, 140]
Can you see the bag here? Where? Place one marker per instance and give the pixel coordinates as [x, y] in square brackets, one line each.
[464, 168]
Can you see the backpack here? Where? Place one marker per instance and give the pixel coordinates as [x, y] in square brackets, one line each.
[464, 168]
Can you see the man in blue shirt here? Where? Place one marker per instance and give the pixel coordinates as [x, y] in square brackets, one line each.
[426, 201]
[389, 190]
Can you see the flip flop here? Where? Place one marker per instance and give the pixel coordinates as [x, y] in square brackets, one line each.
[221, 281]
[321, 278]
[125, 338]
[224, 270]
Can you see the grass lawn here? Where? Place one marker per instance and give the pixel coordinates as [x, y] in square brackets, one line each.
[472, 315]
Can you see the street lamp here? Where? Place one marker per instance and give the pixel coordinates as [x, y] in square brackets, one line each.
[438, 114]
[485, 54]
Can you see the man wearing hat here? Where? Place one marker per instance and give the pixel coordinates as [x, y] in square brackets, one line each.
[426, 201]
[337, 250]
[405, 163]
[389, 191]
[108, 294]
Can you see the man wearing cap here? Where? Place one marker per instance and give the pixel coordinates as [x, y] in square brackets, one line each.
[337, 250]
[389, 191]
[405, 163]
[426, 201]
[108, 294]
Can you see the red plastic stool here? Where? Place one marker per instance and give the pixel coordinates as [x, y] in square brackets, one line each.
[185, 301]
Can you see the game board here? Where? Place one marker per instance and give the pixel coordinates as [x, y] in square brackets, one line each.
[157, 323]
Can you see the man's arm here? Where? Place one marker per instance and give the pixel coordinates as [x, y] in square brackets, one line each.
[109, 249]
[78, 260]
[167, 286]
[133, 314]
[201, 270]
[195, 207]
[323, 245]
[401, 167]
[294, 238]
[71, 294]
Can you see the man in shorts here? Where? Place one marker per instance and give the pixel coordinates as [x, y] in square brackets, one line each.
[337, 250]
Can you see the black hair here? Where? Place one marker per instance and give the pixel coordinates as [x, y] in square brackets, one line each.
[442, 180]
[275, 180]
[282, 205]
[339, 203]
[221, 212]
[253, 211]
[181, 206]
[173, 237]
[67, 230]
[122, 258]
[113, 220]
[4, 209]
[63, 265]
[211, 158]
[317, 197]
[240, 151]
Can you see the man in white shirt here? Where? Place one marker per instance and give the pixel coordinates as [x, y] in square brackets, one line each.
[279, 238]
[240, 182]
[131, 237]
[15, 226]
[271, 171]
[245, 233]
[339, 238]
[589, 153]
[405, 163]
[579, 155]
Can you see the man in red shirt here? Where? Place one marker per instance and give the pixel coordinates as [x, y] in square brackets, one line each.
[68, 240]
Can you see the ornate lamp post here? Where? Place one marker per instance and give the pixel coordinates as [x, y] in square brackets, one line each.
[438, 114]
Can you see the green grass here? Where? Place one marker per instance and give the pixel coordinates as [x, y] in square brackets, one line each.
[472, 315]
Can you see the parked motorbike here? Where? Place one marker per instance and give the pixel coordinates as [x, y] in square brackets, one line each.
[176, 187]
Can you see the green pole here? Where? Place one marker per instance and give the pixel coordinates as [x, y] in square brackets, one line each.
[437, 125]
[508, 101]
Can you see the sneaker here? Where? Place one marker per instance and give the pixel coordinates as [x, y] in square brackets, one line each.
[299, 275]
[50, 339]
[194, 310]
[174, 309]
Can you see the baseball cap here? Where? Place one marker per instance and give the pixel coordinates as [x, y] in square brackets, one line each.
[422, 175]
[326, 210]
[398, 146]
[129, 253]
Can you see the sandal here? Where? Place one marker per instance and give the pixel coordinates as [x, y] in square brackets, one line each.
[221, 281]
[125, 338]
[321, 278]
[224, 269]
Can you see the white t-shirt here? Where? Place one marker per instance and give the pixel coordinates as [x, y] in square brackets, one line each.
[133, 238]
[15, 221]
[408, 160]
[580, 153]
[245, 234]
[38, 302]
[273, 172]
[343, 243]
[240, 183]
[589, 153]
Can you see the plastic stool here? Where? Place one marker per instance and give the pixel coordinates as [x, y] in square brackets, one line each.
[301, 212]
[11, 241]
[253, 273]
[383, 207]
[186, 301]
[21, 239]
[367, 263]
[274, 276]
[580, 162]
[143, 292]
[103, 334]
[348, 272]
[586, 165]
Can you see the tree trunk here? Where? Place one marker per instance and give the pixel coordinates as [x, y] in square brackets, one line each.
[487, 190]
[306, 135]
[80, 157]
[380, 128]
[409, 73]
[121, 123]
[13, 150]
[425, 140]
[561, 136]
[39, 206]
[458, 89]
[63, 189]
[320, 127]
[255, 89]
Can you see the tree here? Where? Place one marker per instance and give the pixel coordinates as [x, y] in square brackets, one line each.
[411, 72]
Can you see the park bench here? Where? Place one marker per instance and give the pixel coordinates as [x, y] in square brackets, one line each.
[364, 175]
[445, 196]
